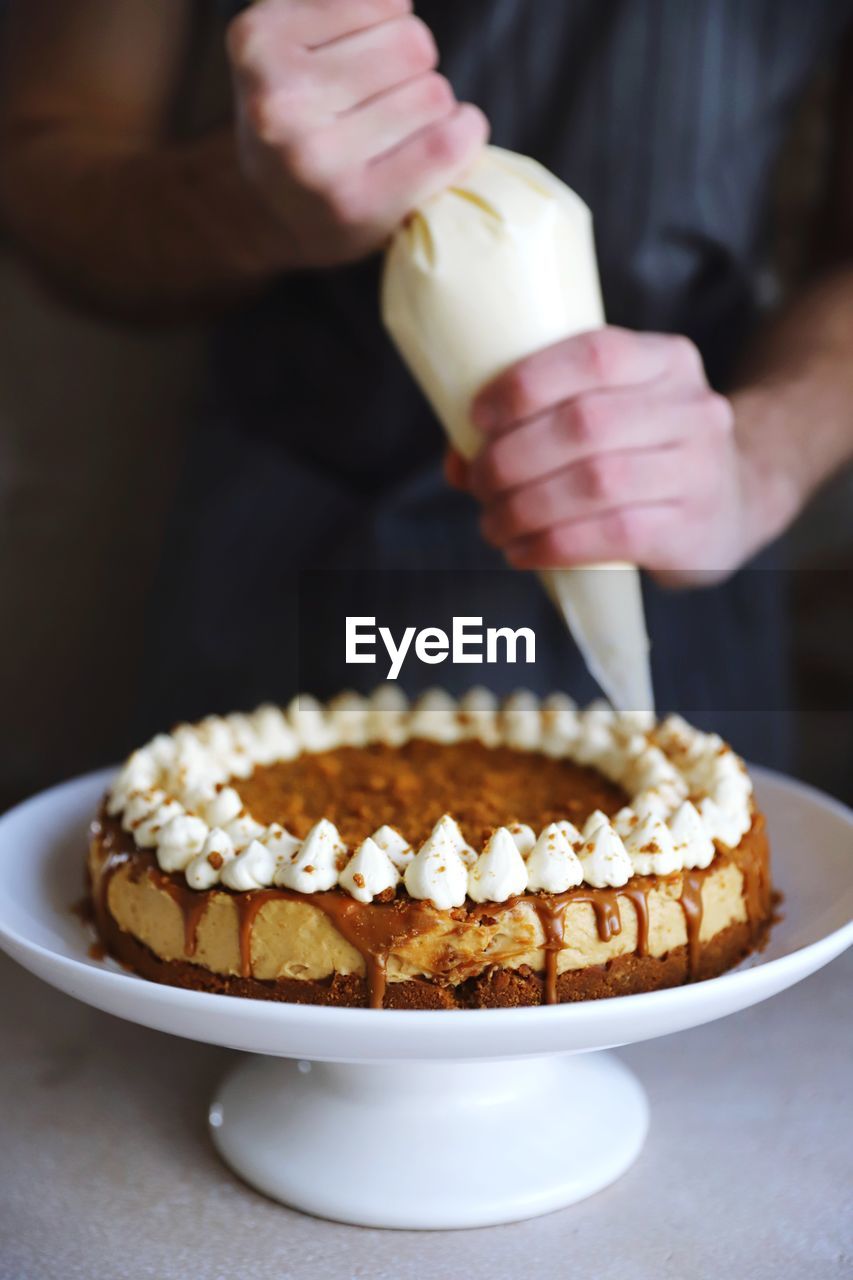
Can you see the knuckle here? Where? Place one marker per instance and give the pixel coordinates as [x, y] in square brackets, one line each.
[720, 412]
[304, 160]
[685, 354]
[473, 130]
[415, 45]
[604, 353]
[516, 516]
[441, 146]
[437, 92]
[622, 529]
[345, 203]
[602, 478]
[496, 468]
[243, 38]
[553, 545]
[519, 388]
[584, 420]
[265, 115]
[639, 533]
[383, 10]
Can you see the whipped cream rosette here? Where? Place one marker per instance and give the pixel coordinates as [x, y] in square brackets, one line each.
[198, 825]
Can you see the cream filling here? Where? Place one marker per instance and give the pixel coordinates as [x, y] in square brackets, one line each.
[292, 939]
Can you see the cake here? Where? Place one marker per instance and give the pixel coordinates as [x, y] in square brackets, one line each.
[436, 855]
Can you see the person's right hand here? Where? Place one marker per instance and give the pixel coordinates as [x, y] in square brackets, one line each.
[342, 120]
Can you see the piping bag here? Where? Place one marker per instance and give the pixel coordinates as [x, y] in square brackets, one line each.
[482, 275]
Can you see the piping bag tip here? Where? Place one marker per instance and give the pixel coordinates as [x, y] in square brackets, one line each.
[602, 606]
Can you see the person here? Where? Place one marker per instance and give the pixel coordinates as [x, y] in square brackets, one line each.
[685, 437]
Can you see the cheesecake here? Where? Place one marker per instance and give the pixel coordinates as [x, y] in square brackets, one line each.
[434, 855]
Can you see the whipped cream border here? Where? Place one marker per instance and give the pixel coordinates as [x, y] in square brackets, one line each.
[179, 795]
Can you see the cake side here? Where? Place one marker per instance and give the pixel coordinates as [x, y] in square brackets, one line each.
[326, 948]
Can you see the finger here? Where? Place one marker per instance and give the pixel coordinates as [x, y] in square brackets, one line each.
[593, 361]
[599, 422]
[428, 162]
[604, 482]
[386, 121]
[456, 470]
[358, 67]
[289, 89]
[308, 23]
[317, 156]
[644, 534]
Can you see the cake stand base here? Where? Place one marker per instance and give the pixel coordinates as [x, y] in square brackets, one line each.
[430, 1145]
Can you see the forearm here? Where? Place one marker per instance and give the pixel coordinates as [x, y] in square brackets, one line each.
[794, 403]
[139, 230]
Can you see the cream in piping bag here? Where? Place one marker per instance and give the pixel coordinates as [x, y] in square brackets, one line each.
[479, 277]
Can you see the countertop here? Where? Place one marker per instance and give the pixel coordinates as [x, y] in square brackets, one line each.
[107, 1173]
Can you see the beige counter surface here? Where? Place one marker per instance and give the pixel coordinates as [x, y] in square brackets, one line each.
[106, 1172]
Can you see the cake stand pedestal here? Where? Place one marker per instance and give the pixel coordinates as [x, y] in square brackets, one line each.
[430, 1145]
[444, 1118]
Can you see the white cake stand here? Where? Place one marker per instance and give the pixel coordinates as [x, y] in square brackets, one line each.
[423, 1119]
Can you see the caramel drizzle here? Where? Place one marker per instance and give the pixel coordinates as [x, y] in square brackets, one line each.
[691, 905]
[551, 910]
[248, 906]
[756, 886]
[552, 918]
[639, 899]
[375, 929]
[191, 904]
[116, 857]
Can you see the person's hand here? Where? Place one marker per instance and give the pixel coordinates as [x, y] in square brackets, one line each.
[611, 446]
[342, 120]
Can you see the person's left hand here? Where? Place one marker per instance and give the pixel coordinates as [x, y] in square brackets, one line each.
[609, 446]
